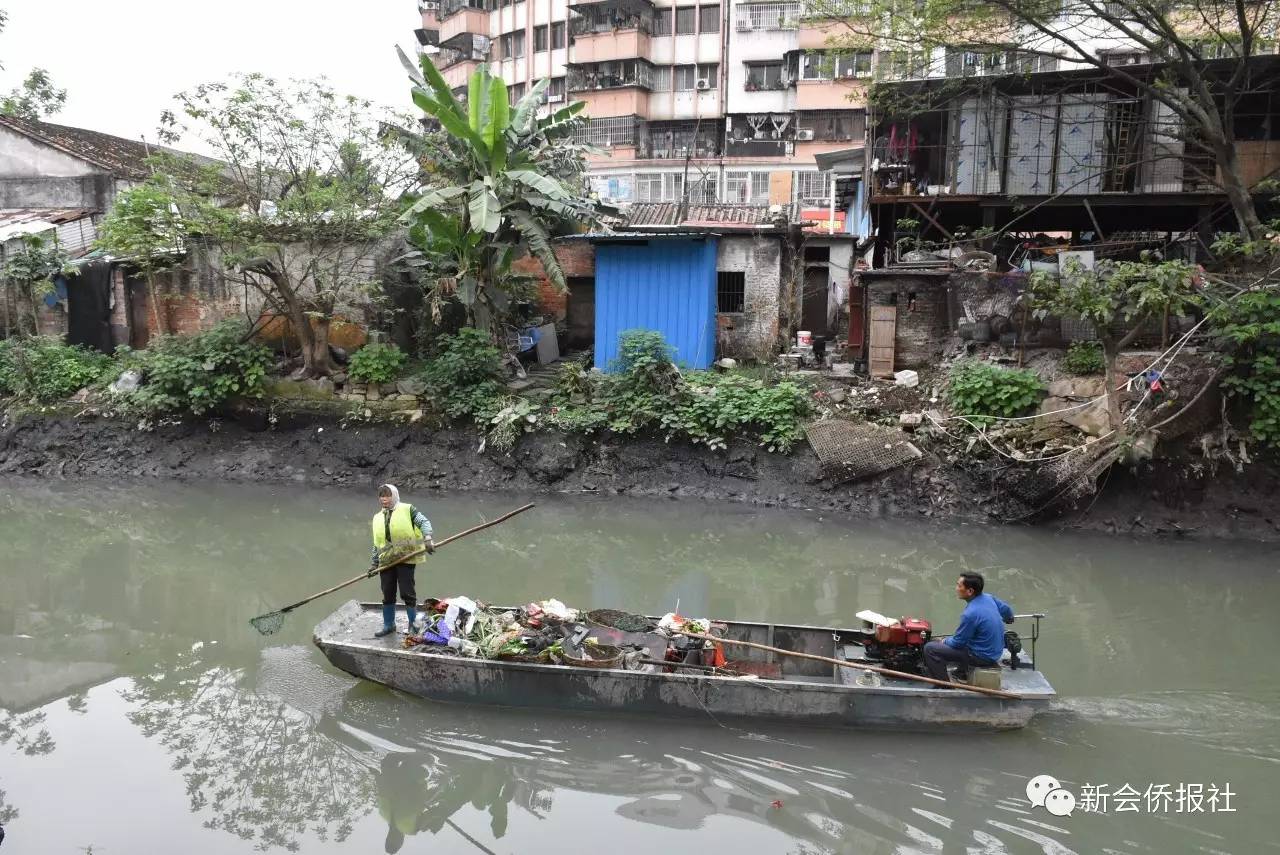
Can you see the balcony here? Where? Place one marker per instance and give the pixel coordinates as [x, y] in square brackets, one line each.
[678, 140]
[759, 135]
[455, 30]
[474, 53]
[643, 8]
[599, 43]
[457, 74]
[586, 77]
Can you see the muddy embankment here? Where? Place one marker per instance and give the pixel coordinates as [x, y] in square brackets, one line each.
[1172, 497]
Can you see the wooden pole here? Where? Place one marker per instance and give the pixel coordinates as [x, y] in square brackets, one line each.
[414, 554]
[903, 675]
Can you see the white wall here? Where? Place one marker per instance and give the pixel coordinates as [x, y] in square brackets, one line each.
[23, 157]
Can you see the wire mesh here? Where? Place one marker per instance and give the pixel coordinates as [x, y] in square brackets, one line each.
[850, 450]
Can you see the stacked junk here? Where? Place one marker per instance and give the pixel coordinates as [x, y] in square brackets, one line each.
[549, 632]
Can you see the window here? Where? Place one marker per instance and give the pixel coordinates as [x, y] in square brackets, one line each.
[760, 187]
[672, 187]
[557, 35]
[853, 64]
[555, 90]
[709, 19]
[813, 187]
[813, 66]
[767, 16]
[608, 131]
[684, 77]
[731, 291]
[662, 79]
[512, 45]
[515, 92]
[770, 75]
[685, 20]
[834, 126]
[648, 187]
[540, 38]
[662, 22]
[710, 74]
[703, 190]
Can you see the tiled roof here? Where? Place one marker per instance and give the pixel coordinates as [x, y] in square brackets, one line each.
[121, 157]
[666, 215]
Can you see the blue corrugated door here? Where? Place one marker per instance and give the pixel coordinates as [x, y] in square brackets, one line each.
[668, 285]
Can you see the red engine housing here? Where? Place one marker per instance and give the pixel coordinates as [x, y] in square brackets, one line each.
[907, 631]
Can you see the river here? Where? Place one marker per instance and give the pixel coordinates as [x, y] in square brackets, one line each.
[139, 711]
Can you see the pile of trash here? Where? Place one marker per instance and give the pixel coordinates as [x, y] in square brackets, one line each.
[550, 632]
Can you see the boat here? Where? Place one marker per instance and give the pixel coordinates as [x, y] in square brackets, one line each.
[791, 690]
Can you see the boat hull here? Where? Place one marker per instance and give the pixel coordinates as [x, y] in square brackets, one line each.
[346, 638]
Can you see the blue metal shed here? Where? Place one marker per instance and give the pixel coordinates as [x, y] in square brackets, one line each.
[666, 284]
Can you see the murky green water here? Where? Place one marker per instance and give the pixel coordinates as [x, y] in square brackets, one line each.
[140, 713]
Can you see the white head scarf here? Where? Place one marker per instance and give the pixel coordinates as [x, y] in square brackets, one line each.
[395, 494]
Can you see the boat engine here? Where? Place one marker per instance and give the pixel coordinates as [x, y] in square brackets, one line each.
[900, 644]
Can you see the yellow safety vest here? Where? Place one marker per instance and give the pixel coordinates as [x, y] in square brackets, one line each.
[404, 537]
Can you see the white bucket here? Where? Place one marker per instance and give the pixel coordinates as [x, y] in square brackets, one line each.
[804, 338]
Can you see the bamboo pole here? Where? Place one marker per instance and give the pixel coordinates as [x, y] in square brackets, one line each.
[903, 675]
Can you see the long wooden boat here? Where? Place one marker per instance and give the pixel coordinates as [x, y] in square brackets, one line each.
[806, 692]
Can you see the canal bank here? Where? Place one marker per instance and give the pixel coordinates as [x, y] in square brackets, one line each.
[1178, 496]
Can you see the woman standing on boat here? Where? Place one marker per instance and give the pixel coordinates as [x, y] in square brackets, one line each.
[398, 531]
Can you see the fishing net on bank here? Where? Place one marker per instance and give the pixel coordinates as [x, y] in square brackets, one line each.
[848, 450]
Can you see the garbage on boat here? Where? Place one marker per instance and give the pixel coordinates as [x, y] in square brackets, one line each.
[550, 632]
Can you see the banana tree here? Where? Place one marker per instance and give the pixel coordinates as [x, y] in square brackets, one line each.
[505, 183]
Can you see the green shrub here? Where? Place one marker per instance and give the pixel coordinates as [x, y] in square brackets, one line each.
[642, 352]
[714, 407]
[376, 363]
[197, 373]
[1083, 358]
[985, 391]
[466, 376]
[46, 370]
[1251, 325]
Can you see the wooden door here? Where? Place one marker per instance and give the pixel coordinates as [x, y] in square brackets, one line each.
[884, 326]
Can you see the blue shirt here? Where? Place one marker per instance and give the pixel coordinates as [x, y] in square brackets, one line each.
[981, 630]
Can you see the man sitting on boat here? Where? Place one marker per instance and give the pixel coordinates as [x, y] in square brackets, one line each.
[400, 532]
[979, 640]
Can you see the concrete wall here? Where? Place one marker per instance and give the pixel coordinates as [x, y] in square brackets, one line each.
[753, 333]
[23, 157]
[922, 329]
[94, 192]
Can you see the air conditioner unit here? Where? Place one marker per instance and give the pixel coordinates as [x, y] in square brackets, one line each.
[804, 133]
[554, 99]
[704, 84]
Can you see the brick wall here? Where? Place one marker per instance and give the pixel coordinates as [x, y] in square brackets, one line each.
[922, 330]
[752, 333]
[576, 257]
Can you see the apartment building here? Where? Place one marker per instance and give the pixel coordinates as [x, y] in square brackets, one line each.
[725, 101]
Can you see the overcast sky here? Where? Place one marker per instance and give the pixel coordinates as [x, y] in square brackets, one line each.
[121, 61]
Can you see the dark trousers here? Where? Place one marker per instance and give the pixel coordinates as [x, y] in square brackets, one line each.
[938, 654]
[400, 575]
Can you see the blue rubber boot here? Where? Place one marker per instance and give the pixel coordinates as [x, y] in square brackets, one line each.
[413, 619]
[388, 621]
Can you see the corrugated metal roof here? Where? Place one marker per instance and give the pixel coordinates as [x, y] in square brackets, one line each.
[666, 215]
[75, 227]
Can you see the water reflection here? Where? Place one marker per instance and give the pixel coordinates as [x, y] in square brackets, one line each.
[1155, 647]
